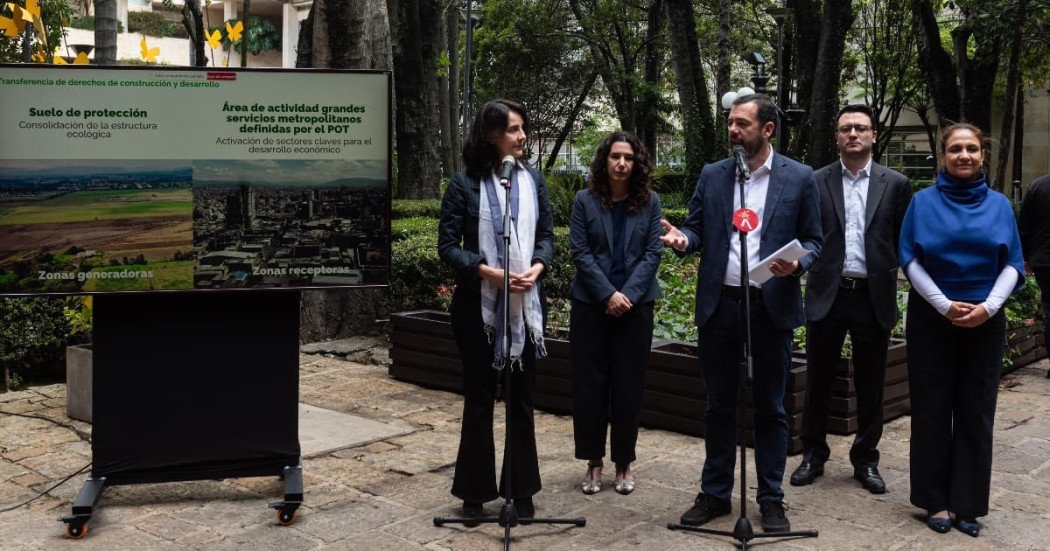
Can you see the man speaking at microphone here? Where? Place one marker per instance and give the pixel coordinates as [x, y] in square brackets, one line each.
[783, 194]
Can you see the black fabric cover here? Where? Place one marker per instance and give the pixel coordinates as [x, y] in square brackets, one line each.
[195, 385]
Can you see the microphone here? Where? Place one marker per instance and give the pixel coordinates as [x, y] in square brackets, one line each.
[741, 161]
[506, 170]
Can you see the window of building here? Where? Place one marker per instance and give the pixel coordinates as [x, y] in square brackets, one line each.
[909, 153]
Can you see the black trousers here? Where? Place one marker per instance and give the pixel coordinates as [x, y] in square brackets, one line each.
[851, 312]
[475, 478]
[954, 382]
[609, 358]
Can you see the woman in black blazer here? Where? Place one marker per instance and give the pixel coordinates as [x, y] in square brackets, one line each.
[615, 234]
[469, 240]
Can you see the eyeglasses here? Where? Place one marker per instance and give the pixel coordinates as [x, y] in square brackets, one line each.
[860, 128]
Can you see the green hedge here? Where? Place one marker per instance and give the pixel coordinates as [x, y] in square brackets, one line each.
[87, 23]
[412, 208]
[151, 23]
[416, 273]
[402, 228]
[676, 216]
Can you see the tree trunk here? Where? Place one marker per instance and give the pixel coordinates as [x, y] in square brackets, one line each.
[343, 34]
[415, 81]
[976, 75]
[697, 120]
[617, 80]
[1019, 134]
[648, 116]
[818, 134]
[570, 121]
[193, 21]
[105, 32]
[443, 99]
[806, 45]
[244, 37]
[1013, 74]
[455, 132]
[934, 62]
[725, 20]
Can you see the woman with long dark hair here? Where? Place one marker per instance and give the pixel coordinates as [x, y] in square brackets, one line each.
[470, 239]
[961, 250]
[615, 235]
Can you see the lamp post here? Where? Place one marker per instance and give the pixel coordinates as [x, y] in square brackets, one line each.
[780, 15]
[471, 19]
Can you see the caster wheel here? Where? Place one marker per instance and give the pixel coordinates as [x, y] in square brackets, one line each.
[285, 518]
[76, 531]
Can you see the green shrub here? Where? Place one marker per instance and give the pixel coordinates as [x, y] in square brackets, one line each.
[87, 23]
[150, 23]
[412, 208]
[416, 273]
[562, 190]
[558, 280]
[673, 312]
[34, 332]
[403, 228]
[676, 216]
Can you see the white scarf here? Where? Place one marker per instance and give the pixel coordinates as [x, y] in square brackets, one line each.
[526, 312]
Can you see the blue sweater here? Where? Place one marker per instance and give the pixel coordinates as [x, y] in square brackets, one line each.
[963, 234]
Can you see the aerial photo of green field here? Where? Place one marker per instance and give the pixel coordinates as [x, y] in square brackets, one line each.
[89, 226]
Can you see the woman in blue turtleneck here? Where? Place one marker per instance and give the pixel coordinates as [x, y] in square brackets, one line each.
[961, 251]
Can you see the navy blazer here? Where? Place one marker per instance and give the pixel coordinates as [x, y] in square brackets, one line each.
[888, 196]
[591, 237]
[458, 228]
[792, 210]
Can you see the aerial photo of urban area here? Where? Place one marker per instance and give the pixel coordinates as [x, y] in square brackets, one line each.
[290, 223]
[95, 225]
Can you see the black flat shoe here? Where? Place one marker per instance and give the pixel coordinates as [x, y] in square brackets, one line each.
[939, 525]
[525, 507]
[970, 527]
[471, 510]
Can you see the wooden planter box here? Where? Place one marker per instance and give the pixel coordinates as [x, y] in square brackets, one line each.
[675, 397]
[896, 399]
[1028, 341]
[424, 352]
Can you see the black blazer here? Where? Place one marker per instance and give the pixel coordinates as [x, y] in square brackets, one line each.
[458, 229]
[591, 235]
[888, 196]
[791, 212]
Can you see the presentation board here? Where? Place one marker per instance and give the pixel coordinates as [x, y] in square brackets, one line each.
[155, 179]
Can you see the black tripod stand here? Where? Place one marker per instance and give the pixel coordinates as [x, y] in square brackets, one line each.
[742, 530]
[508, 514]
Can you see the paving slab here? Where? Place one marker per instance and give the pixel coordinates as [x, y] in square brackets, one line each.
[379, 459]
[323, 431]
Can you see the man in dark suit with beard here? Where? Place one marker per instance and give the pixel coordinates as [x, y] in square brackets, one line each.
[852, 288]
[783, 196]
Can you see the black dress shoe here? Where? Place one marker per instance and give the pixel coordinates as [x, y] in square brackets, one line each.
[471, 510]
[806, 473]
[774, 518]
[704, 509]
[869, 478]
[969, 527]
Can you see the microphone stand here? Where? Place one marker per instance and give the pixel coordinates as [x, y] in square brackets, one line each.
[508, 514]
[742, 530]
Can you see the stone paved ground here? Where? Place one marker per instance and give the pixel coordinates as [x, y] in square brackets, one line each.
[383, 496]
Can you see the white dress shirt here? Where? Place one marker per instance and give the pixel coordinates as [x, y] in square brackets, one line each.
[754, 199]
[855, 199]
